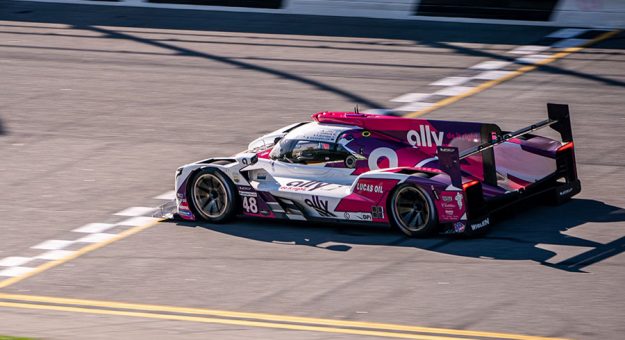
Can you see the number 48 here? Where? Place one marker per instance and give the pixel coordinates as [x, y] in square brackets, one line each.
[249, 204]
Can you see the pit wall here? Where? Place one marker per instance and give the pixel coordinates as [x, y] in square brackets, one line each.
[583, 13]
[578, 13]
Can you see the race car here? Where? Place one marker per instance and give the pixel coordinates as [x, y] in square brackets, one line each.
[420, 176]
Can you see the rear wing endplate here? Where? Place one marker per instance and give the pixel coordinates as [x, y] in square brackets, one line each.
[558, 119]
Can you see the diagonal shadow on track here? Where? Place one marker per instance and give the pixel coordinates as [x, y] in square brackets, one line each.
[544, 68]
[516, 238]
[237, 63]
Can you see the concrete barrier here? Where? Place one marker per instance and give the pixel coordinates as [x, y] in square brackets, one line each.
[594, 13]
[578, 13]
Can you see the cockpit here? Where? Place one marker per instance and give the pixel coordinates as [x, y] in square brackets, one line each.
[311, 144]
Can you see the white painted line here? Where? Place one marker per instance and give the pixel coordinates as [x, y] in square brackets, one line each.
[491, 65]
[96, 238]
[13, 261]
[570, 43]
[136, 211]
[491, 75]
[53, 244]
[93, 228]
[567, 33]
[532, 59]
[170, 195]
[411, 97]
[138, 221]
[15, 271]
[453, 90]
[416, 106]
[55, 255]
[529, 49]
[451, 81]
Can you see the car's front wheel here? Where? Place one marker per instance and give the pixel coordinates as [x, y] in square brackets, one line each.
[412, 211]
[212, 196]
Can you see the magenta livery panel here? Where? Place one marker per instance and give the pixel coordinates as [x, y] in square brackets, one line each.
[419, 176]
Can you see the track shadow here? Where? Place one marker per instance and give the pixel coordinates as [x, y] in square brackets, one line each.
[516, 238]
[126, 22]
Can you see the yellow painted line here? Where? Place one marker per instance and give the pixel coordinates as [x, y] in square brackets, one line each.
[80, 252]
[518, 72]
[264, 317]
[229, 321]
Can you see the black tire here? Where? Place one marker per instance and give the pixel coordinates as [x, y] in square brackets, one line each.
[212, 196]
[412, 211]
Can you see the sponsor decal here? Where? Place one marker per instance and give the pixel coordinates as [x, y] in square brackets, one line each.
[451, 205]
[247, 191]
[458, 227]
[379, 153]
[425, 137]
[365, 217]
[458, 199]
[376, 188]
[320, 206]
[565, 192]
[346, 215]
[185, 213]
[250, 205]
[484, 223]
[305, 186]
[447, 149]
[377, 212]
[247, 194]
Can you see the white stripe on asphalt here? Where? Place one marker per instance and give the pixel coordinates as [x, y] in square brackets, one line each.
[94, 228]
[135, 211]
[529, 49]
[54, 255]
[491, 75]
[532, 59]
[414, 106]
[15, 271]
[491, 65]
[137, 221]
[170, 195]
[453, 90]
[410, 97]
[13, 261]
[95, 238]
[451, 81]
[53, 244]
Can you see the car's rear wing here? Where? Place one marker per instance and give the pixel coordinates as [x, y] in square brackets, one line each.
[449, 157]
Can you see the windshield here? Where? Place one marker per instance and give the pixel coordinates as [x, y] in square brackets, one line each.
[307, 151]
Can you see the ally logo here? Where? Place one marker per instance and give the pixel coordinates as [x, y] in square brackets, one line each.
[425, 137]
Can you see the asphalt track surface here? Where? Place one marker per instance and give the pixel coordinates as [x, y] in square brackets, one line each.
[99, 106]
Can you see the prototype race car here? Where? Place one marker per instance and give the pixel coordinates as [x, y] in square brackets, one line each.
[420, 176]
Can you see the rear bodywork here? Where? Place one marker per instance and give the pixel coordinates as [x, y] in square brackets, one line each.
[470, 170]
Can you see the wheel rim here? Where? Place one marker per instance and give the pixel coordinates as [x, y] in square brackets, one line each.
[210, 196]
[411, 209]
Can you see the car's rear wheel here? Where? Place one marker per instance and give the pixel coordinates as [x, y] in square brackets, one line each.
[213, 196]
[412, 211]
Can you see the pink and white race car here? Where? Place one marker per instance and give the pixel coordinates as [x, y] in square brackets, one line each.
[420, 176]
